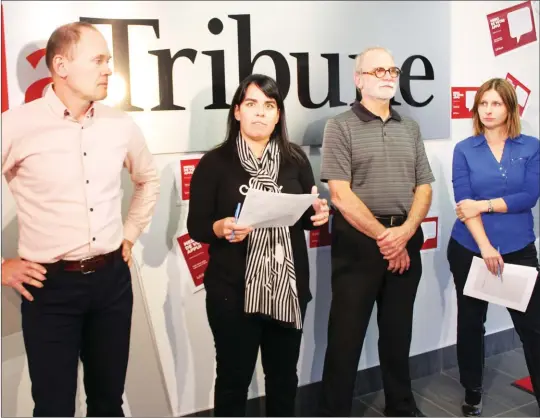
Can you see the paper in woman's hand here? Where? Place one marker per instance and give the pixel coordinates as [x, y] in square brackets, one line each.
[267, 209]
[512, 290]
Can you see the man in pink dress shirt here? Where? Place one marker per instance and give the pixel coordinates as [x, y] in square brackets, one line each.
[62, 157]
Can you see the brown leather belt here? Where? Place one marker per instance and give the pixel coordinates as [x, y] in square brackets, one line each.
[392, 220]
[86, 265]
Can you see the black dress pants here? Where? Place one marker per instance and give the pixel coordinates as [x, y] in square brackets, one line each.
[472, 316]
[238, 337]
[360, 277]
[79, 315]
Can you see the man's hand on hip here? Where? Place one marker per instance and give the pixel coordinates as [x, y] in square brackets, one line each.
[15, 272]
[126, 252]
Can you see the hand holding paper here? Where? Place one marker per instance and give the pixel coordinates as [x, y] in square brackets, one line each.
[267, 209]
[492, 258]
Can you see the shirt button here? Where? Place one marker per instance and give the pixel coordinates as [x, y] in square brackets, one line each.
[87, 181]
[93, 239]
[500, 168]
[91, 209]
[84, 153]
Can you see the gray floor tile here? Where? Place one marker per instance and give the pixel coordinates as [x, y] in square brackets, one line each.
[511, 363]
[453, 373]
[374, 400]
[529, 410]
[429, 408]
[360, 409]
[447, 393]
[498, 386]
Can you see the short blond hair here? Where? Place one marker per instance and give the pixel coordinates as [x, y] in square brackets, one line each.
[359, 60]
[63, 39]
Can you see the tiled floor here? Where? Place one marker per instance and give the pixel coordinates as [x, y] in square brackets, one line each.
[440, 395]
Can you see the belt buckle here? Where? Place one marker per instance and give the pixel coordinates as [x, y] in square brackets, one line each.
[83, 267]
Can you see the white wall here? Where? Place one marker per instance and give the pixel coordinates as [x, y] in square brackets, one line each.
[186, 345]
[178, 316]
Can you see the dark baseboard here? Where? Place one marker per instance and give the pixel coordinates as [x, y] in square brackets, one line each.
[369, 380]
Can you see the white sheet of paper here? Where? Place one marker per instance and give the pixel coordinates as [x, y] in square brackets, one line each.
[266, 209]
[513, 291]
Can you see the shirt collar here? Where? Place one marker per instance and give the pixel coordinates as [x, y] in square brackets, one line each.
[366, 116]
[480, 139]
[59, 108]
[518, 140]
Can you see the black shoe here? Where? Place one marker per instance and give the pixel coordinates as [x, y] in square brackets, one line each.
[471, 410]
[472, 405]
[396, 413]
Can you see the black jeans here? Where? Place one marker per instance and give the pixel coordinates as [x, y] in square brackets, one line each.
[79, 315]
[472, 316]
[238, 337]
[360, 277]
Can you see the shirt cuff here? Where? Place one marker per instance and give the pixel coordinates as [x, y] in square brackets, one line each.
[131, 232]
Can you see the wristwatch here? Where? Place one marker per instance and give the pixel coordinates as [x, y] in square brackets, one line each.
[490, 207]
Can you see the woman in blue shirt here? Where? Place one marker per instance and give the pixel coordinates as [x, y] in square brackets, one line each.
[495, 176]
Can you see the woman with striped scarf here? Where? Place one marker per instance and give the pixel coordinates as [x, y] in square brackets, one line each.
[257, 281]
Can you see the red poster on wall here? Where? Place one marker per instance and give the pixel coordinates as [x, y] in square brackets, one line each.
[322, 237]
[512, 28]
[522, 92]
[462, 102]
[187, 167]
[196, 256]
[430, 228]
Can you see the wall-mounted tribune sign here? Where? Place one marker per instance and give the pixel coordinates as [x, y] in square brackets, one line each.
[176, 64]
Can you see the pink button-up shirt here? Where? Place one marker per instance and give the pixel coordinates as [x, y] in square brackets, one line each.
[65, 177]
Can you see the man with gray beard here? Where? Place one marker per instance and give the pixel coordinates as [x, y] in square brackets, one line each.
[374, 162]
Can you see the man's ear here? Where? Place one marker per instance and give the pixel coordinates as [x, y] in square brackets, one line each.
[59, 65]
[358, 81]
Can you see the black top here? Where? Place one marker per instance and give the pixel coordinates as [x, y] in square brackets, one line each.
[214, 195]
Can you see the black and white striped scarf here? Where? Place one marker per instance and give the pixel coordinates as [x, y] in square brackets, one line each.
[270, 275]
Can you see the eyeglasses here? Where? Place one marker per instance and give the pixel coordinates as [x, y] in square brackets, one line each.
[380, 72]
